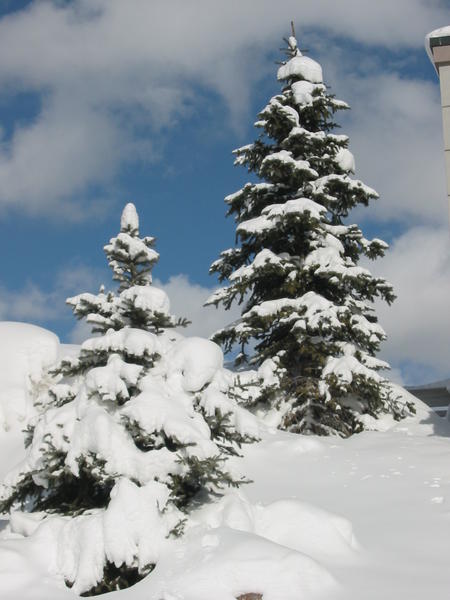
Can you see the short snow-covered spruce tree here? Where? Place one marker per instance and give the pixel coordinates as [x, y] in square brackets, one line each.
[135, 436]
[308, 314]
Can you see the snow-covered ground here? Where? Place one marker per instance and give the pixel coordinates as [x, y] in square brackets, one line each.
[364, 518]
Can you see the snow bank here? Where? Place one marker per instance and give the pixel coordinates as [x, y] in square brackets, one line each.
[272, 543]
[424, 422]
[288, 522]
[224, 563]
[24, 572]
[133, 529]
[26, 352]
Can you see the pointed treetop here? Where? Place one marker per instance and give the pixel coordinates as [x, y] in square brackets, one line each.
[292, 42]
[129, 221]
[293, 46]
[293, 29]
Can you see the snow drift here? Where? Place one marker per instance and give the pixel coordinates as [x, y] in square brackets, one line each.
[26, 352]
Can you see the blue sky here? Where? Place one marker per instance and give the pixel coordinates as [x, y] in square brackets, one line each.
[105, 101]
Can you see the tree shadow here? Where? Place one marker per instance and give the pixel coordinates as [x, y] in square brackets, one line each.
[440, 425]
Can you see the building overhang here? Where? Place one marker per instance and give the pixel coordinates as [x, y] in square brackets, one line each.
[437, 45]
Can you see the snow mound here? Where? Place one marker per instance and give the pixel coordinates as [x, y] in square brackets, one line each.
[24, 572]
[134, 528]
[26, 352]
[225, 563]
[296, 525]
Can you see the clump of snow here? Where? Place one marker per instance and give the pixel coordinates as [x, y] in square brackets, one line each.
[263, 259]
[303, 91]
[346, 368]
[217, 397]
[132, 247]
[274, 213]
[345, 159]
[135, 342]
[147, 298]
[26, 354]
[196, 361]
[295, 206]
[321, 184]
[302, 67]
[132, 529]
[330, 258]
[292, 42]
[284, 158]
[310, 309]
[110, 381]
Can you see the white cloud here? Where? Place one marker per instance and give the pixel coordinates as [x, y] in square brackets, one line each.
[418, 323]
[187, 300]
[36, 305]
[395, 133]
[28, 304]
[47, 161]
[33, 304]
[105, 66]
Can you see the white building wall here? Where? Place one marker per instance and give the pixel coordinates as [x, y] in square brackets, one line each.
[444, 76]
[441, 59]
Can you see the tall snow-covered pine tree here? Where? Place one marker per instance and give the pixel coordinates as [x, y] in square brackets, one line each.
[308, 313]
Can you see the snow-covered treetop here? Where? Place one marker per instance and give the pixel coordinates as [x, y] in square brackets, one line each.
[137, 303]
[131, 257]
[129, 221]
[299, 66]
